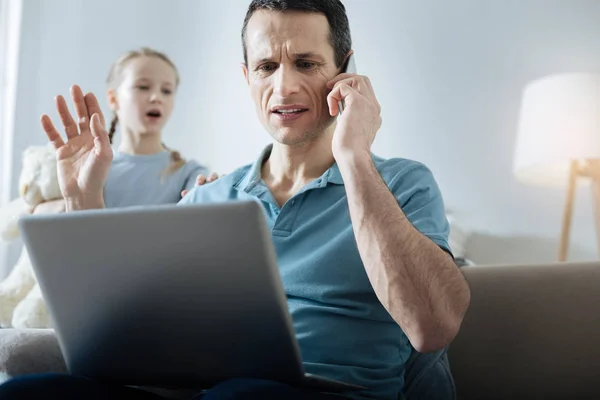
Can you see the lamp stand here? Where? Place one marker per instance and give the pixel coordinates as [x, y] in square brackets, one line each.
[588, 169]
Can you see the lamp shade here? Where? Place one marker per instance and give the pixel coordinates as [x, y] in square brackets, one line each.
[559, 122]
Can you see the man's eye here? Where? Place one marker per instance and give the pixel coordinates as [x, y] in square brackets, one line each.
[167, 91]
[143, 87]
[267, 67]
[306, 64]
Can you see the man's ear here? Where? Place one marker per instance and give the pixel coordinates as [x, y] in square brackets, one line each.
[111, 94]
[245, 71]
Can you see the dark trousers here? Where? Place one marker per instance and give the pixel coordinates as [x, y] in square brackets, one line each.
[68, 387]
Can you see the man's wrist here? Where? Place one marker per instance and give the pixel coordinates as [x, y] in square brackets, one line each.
[349, 161]
[83, 203]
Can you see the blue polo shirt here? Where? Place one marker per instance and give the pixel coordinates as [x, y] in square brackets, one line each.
[343, 331]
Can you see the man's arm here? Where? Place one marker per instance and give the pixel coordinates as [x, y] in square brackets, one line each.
[415, 280]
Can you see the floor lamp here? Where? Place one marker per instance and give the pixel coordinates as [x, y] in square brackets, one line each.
[558, 140]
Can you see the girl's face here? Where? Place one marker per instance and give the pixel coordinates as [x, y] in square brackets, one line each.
[144, 98]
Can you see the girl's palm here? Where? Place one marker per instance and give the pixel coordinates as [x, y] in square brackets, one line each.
[84, 160]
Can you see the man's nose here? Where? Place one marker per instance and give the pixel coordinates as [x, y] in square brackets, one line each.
[286, 81]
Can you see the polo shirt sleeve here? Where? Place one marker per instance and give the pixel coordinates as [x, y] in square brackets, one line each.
[421, 201]
[194, 196]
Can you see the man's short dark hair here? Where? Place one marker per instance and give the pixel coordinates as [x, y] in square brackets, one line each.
[334, 10]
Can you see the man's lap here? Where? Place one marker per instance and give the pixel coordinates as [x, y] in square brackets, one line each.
[251, 389]
[68, 387]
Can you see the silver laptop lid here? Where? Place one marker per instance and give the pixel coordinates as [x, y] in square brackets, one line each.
[166, 295]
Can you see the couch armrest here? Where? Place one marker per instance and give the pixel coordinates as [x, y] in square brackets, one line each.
[29, 351]
[36, 351]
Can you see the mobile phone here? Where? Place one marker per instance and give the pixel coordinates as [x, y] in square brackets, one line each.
[349, 67]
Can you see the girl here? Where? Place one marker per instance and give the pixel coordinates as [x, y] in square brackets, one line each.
[141, 88]
[144, 171]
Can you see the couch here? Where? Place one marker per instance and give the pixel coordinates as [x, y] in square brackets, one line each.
[531, 332]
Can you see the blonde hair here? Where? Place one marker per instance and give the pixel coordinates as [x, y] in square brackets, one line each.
[115, 72]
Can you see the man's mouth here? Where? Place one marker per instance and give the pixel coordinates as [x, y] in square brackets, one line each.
[289, 112]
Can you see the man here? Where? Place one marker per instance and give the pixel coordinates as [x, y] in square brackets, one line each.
[361, 241]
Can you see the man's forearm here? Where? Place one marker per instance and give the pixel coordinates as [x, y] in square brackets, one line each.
[84, 203]
[416, 281]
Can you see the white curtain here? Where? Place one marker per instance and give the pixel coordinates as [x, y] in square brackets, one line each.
[10, 26]
[10, 33]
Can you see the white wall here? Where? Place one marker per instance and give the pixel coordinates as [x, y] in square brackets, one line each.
[448, 75]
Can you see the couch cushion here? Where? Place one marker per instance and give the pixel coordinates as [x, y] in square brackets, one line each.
[530, 332]
[29, 351]
[35, 351]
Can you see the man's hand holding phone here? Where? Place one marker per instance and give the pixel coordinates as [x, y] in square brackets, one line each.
[360, 117]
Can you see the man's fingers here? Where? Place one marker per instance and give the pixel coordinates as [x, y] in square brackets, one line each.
[339, 78]
[51, 132]
[369, 85]
[334, 106]
[340, 92]
[184, 192]
[66, 118]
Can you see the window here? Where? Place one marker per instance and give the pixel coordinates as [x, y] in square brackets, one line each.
[10, 26]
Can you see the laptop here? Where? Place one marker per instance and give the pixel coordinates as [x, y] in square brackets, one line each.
[169, 296]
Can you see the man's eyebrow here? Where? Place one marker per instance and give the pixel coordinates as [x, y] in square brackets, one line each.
[297, 56]
[310, 54]
[264, 60]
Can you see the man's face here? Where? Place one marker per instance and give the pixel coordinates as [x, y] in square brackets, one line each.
[290, 60]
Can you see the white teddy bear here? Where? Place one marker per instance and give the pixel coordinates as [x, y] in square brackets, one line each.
[21, 301]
